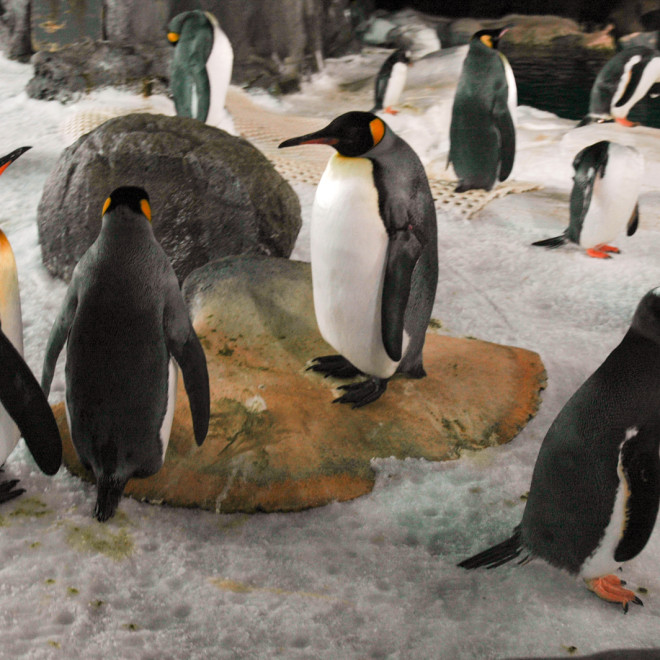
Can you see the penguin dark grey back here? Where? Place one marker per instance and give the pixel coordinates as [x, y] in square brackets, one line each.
[595, 489]
[482, 135]
[374, 254]
[126, 327]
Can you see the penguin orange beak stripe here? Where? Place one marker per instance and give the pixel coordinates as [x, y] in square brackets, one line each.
[7, 160]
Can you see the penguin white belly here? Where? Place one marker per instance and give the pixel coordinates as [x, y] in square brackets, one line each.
[614, 197]
[512, 100]
[218, 69]
[395, 84]
[12, 326]
[348, 252]
[166, 426]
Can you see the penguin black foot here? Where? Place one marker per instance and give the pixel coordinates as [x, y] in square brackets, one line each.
[362, 393]
[336, 366]
[8, 490]
[109, 492]
[610, 588]
[464, 187]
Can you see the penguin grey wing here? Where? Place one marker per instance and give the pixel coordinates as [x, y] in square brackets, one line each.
[58, 335]
[633, 223]
[27, 405]
[403, 251]
[640, 465]
[507, 131]
[185, 348]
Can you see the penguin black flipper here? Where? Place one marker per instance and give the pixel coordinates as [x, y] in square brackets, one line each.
[507, 130]
[25, 402]
[184, 346]
[497, 555]
[633, 223]
[553, 242]
[640, 464]
[403, 251]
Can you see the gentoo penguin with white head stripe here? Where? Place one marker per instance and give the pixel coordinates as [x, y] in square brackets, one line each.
[391, 80]
[374, 254]
[482, 133]
[624, 81]
[24, 410]
[604, 199]
[201, 67]
[595, 489]
[125, 324]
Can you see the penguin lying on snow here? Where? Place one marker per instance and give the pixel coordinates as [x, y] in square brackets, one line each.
[374, 254]
[482, 135]
[596, 483]
[124, 321]
[624, 80]
[604, 198]
[24, 410]
[391, 80]
[201, 67]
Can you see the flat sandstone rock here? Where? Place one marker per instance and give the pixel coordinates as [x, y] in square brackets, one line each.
[276, 442]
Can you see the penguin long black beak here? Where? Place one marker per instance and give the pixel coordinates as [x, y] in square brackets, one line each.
[319, 137]
[7, 160]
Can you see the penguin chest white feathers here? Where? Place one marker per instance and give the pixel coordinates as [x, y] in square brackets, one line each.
[218, 69]
[614, 196]
[166, 426]
[348, 251]
[12, 326]
[512, 90]
[395, 84]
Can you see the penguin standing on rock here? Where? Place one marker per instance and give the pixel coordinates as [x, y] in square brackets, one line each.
[604, 198]
[391, 80]
[595, 489]
[374, 255]
[24, 410]
[125, 324]
[482, 134]
[201, 67]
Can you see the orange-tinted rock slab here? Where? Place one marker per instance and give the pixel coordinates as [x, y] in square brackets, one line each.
[276, 442]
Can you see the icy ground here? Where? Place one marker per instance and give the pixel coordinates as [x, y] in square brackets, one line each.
[372, 578]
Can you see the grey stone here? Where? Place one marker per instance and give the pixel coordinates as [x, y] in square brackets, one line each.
[212, 194]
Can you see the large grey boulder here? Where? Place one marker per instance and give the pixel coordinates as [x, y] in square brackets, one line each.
[212, 194]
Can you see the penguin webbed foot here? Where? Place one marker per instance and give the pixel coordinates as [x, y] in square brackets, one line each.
[603, 251]
[109, 492]
[362, 393]
[610, 588]
[8, 490]
[336, 366]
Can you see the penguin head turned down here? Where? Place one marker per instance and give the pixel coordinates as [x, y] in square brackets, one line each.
[136, 199]
[352, 134]
[194, 20]
[490, 38]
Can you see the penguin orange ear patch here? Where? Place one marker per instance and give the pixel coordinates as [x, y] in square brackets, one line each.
[377, 127]
[105, 206]
[172, 37]
[487, 40]
[146, 209]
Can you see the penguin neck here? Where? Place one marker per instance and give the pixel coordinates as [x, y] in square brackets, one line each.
[120, 228]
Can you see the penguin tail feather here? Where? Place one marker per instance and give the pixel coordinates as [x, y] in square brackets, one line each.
[108, 493]
[553, 242]
[497, 555]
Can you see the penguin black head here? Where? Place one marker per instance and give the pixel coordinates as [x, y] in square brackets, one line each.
[351, 134]
[135, 198]
[194, 19]
[491, 38]
[401, 55]
[7, 160]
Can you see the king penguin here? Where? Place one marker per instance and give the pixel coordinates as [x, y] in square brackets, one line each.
[391, 80]
[201, 67]
[374, 254]
[604, 199]
[595, 488]
[24, 410]
[625, 80]
[482, 135]
[125, 324]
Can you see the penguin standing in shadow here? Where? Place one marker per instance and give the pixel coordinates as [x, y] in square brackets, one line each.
[391, 80]
[374, 255]
[201, 67]
[25, 410]
[126, 327]
[604, 199]
[482, 134]
[595, 489]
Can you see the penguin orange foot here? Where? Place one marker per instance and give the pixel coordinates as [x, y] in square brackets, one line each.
[610, 248]
[610, 588]
[336, 366]
[390, 110]
[362, 393]
[597, 253]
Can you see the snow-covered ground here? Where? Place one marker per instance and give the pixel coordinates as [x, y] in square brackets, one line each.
[372, 578]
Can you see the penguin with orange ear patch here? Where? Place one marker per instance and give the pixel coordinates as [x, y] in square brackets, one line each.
[24, 410]
[374, 254]
[126, 325]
